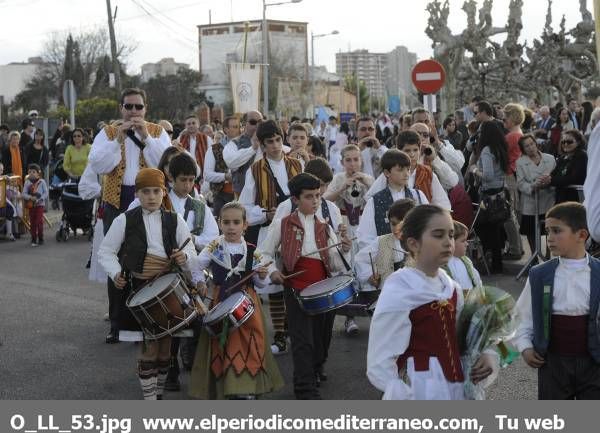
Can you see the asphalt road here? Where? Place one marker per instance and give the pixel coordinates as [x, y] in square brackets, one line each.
[52, 336]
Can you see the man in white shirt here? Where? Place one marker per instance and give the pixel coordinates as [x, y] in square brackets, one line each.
[241, 152]
[119, 152]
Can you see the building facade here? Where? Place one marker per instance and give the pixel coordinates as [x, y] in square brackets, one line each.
[223, 43]
[163, 67]
[14, 77]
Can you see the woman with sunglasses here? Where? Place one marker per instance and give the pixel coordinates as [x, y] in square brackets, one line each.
[76, 154]
[571, 167]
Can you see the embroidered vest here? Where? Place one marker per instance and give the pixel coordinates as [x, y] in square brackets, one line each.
[382, 202]
[135, 244]
[423, 178]
[266, 191]
[541, 280]
[238, 176]
[199, 208]
[219, 273]
[292, 238]
[385, 261]
[433, 333]
[201, 147]
[113, 181]
[220, 167]
[324, 211]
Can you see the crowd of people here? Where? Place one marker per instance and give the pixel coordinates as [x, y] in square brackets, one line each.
[275, 208]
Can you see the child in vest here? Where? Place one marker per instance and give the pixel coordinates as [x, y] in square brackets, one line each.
[460, 267]
[378, 260]
[144, 242]
[299, 236]
[182, 171]
[347, 189]
[265, 188]
[374, 221]
[35, 192]
[558, 329]
[413, 347]
[242, 366]
[327, 212]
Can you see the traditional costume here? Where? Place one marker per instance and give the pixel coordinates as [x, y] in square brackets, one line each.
[374, 221]
[196, 145]
[120, 158]
[140, 242]
[239, 155]
[215, 170]
[462, 270]
[237, 364]
[387, 255]
[413, 349]
[298, 236]
[558, 318]
[266, 186]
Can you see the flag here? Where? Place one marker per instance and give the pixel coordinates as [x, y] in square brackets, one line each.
[245, 86]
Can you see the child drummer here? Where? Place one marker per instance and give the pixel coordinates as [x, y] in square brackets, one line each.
[236, 365]
[144, 242]
[307, 246]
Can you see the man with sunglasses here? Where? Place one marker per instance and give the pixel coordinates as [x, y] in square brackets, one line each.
[241, 152]
[119, 151]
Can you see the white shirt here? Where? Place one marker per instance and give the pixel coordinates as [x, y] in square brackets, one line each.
[362, 262]
[210, 229]
[235, 158]
[210, 175]
[285, 208]
[592, 184]
[570, 297]
[255, 214]
[105, 154]
[192, 151]
[367, 159]
[271, 244]
[367, 231]
[89, 185]
[439, 196]
[110, 246]
[459, 273]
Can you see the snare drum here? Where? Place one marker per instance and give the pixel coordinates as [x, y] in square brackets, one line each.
[164, 306]
[327, 295]
[236, 309]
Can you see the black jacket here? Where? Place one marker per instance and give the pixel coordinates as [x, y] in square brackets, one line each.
[569, 171]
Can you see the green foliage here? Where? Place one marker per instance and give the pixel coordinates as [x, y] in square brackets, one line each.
[88, 112]
[172, 97]
[350, 86]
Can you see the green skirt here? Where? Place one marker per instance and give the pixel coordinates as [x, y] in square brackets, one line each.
[204, 385]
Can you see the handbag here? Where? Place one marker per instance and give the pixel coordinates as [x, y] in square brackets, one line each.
[494, 208]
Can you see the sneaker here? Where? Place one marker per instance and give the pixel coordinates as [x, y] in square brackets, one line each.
[11, 238]
[34, 244]
[351, 327]
[279, 347]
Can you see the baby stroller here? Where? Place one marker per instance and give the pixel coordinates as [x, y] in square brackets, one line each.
[59, 176]
[77, 213]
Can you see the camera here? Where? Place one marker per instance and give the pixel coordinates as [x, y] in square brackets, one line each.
[427, 151]
[369, 143]
[355, 192]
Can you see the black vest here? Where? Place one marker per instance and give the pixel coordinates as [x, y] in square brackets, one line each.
[135, 245]
[382, 202]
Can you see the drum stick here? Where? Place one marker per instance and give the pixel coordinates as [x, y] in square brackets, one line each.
[372, 264]
[326, 248]
[246, 278]
[295, 274]
[187, 241]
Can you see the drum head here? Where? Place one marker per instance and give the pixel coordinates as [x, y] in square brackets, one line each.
[222, 308]
[326, 286]
[152, 290]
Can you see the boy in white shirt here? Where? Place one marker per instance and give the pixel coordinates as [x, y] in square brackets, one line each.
[460, 267]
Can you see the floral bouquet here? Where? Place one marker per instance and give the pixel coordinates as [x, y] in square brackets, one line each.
[486, 320]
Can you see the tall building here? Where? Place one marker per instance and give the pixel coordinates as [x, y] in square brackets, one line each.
[386, 75]
[371, 68]
[163, 67]
[14, 77]
[399, 76]
[223, 43]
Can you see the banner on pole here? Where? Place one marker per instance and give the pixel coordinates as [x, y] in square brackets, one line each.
[245, 86]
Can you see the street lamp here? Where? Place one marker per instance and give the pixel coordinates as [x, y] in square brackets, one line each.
[265, 53]
[312, 61]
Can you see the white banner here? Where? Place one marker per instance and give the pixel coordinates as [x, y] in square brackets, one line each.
[245, 86]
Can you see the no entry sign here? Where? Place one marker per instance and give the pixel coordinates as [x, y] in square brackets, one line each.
[428, 76]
